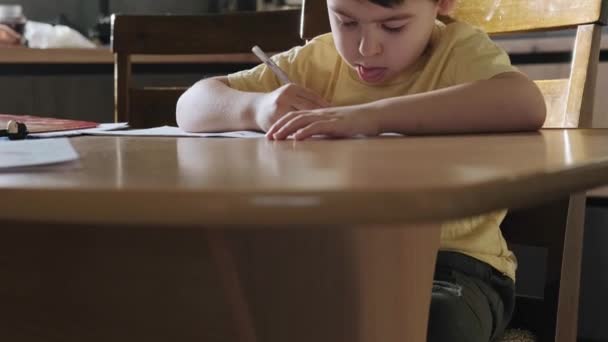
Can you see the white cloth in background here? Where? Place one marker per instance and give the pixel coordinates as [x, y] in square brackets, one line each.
[45, 36]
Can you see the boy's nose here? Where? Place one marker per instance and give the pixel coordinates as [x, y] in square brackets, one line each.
[369, 45]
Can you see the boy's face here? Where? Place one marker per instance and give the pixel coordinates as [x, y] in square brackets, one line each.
[380, 42]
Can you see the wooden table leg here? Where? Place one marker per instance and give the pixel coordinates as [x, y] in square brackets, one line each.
[396, 266]
[364, 284]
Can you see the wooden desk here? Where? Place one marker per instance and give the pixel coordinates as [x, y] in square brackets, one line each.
[82, 258]
[105, 56]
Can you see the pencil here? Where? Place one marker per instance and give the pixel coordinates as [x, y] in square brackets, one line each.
[281, 75]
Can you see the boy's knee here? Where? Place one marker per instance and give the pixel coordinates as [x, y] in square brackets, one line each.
[452, 319]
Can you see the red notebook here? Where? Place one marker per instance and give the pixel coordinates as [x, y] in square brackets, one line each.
[37, 124]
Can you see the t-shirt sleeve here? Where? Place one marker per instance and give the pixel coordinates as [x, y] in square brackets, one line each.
[261, 78]
[474, 57]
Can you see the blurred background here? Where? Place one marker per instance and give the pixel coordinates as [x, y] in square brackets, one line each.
[84, 16]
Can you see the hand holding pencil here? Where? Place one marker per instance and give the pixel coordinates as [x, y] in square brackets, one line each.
[290, 97]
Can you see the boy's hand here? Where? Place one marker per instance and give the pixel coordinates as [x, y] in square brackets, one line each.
[8, 37]
[334, 122]
[288, 98]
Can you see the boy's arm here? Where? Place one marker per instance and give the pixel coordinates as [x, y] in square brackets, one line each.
[211, 105]
[507, 102]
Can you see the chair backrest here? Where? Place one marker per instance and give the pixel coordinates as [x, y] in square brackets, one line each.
[217, 34]
[556, 227]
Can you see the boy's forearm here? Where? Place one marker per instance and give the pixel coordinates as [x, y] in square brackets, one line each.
[211, 106]
[508, 102]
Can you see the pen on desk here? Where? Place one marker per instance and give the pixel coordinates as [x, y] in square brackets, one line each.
[272, 65]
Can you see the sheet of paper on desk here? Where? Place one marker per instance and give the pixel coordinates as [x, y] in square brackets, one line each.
[170, 131]
[25, 153]
[100, 128]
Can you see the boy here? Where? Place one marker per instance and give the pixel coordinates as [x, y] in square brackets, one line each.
[389, 66]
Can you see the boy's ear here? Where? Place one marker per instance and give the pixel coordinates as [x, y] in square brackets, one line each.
[445, 6]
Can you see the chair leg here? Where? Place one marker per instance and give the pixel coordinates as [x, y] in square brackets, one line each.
[567, 310]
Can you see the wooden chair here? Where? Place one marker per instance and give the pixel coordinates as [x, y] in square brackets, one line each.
[220, 35]
[557, 226]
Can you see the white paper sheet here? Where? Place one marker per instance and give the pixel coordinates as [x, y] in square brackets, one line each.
[170, 131]
[101, 128]
[25, 153]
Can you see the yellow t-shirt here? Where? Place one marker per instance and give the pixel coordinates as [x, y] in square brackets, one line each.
[457, 53]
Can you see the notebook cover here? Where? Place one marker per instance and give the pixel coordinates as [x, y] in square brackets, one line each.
[37, 124]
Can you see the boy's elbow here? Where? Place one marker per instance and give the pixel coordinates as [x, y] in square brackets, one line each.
[184, 112]
[197, 104]
[188, 114]
[537, 109]
[538, 117]
[530, 103]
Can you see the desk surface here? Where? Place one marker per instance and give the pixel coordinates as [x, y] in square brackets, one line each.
[105, 56]
[189, 181]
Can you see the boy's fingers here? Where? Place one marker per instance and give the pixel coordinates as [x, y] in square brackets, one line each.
[294, 125]
[326, 127]
[279, 123]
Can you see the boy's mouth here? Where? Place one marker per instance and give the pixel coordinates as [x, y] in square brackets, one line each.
[371, 74]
